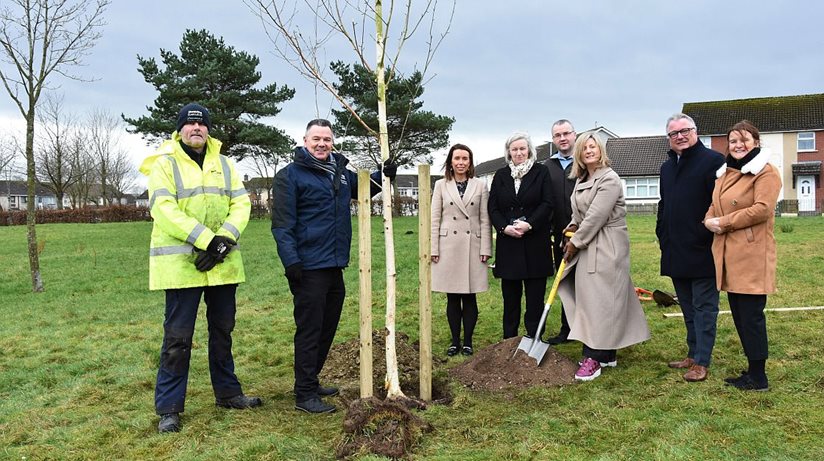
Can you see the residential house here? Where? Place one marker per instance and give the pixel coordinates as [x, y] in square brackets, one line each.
[14, 196]
[792, 131]
[142, 200]
[637, 160]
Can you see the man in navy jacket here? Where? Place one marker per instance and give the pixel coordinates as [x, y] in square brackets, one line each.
[687, 181]
[312, 226]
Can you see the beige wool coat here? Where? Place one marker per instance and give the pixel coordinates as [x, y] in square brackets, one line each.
[745, 254]
[596, 289]
[461, 233]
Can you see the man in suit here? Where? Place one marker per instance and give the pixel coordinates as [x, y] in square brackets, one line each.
[560, 164]
[687, 181]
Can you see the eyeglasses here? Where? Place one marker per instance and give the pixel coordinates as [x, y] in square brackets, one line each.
[562, 135]
[683, 132]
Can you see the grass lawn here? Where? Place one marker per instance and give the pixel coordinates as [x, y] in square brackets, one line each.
[78, 363]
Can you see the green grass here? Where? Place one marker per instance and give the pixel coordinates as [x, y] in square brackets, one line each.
[78, 363]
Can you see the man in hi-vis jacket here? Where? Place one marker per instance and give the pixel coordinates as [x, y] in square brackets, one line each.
[200, 208]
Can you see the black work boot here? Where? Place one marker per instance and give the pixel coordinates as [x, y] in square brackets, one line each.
[328, 391]
[315, 405]
[239, 402]
[170, 422]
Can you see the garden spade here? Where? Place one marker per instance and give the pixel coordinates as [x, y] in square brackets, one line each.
[534, 347]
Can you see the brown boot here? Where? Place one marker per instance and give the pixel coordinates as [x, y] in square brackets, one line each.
[686, 363]
[696, 373]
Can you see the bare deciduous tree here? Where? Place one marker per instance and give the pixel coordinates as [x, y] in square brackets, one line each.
[39, 38]
[105, 131]
[351, 20]
[56, 149]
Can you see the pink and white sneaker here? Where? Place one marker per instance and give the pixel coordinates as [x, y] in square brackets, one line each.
[589, 370]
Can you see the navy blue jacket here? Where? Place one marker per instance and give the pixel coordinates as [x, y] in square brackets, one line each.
[686, 194]
[311, 221]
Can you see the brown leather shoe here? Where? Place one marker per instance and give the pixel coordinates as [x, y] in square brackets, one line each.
[686, 363]
[696, 373]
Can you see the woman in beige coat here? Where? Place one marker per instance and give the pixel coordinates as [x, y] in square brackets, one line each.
[461, 243]
[742, 217]
[597, 293]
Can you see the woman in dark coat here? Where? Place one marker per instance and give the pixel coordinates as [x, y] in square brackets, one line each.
[520, 208]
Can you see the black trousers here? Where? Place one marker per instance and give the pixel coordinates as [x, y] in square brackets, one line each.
[178, 328]
[318, 300]
[750, 323]
[512, 291]
[558, 254]
[461, 308]
[601, 355]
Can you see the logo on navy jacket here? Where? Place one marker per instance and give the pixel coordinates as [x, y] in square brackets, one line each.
[343, 179]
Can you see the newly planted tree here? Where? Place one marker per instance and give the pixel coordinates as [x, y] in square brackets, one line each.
[350, 20]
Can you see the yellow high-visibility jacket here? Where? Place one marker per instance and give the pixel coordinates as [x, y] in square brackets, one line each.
[190, 206]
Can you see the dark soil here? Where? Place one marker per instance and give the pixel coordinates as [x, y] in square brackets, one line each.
[495, 369]
[342, 369]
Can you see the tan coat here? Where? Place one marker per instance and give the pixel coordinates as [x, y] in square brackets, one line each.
[597, 293]
[745, 253]
[461, 233]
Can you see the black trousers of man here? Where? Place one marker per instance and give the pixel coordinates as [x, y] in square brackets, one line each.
[318, 300]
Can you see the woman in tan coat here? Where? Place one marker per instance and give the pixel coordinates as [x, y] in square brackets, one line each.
[461, 243]
[742, 216]
[596, 290]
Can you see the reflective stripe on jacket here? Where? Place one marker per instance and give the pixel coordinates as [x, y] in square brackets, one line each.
[190, 205]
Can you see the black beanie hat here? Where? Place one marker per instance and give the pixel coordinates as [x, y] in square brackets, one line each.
[193, 113]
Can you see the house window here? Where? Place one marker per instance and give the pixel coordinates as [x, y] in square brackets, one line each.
[806, 141]
[706, 141]
[640, 188]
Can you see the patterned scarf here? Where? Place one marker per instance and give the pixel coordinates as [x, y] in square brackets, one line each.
[519, 171]
[327, 165]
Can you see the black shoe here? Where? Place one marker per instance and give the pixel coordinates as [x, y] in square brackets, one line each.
[170, 422]
[559, 339]
[239, 402]
[467, 350]
[328, 391]
[315, 406]
[452, 351]
[747, 383]
[734, 379]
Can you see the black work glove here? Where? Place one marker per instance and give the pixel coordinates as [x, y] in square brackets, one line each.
[205, 261]
[570, 251]
[220, 246]
[390, 170]
[294, 273]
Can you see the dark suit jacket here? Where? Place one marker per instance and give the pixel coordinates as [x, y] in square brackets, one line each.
[528, 256]
[686, 194]
[562, 187]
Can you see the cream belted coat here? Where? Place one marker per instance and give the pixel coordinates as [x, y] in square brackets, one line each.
[596, 289]
[461, 233]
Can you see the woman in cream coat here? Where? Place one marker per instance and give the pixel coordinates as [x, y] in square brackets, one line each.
[742, 217]
[461, 243]
[597, 293]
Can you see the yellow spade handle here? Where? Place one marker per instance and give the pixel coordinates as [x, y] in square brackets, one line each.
[557, 277]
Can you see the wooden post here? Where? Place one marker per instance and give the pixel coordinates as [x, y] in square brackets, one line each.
[365, 277]
[425, 280]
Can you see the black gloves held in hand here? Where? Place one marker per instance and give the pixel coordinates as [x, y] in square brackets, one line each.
[390, 169]
[215, 253]
[294, 273]
[220, 246]
[205, 261]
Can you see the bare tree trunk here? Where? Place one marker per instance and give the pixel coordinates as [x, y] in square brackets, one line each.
[394, 388]
[31, 209]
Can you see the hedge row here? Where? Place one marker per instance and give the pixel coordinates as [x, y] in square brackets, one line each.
[78, 215]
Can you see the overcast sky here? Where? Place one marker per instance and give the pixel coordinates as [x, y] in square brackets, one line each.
[506, 66]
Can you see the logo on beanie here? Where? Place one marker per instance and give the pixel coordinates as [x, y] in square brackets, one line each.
[194, 116]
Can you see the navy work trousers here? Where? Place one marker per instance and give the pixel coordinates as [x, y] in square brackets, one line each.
[318, 299]
[178, 328]
[698, 298]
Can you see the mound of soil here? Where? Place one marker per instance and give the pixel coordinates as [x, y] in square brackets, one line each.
[342, 368]
[381, 427]
[494, 369]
